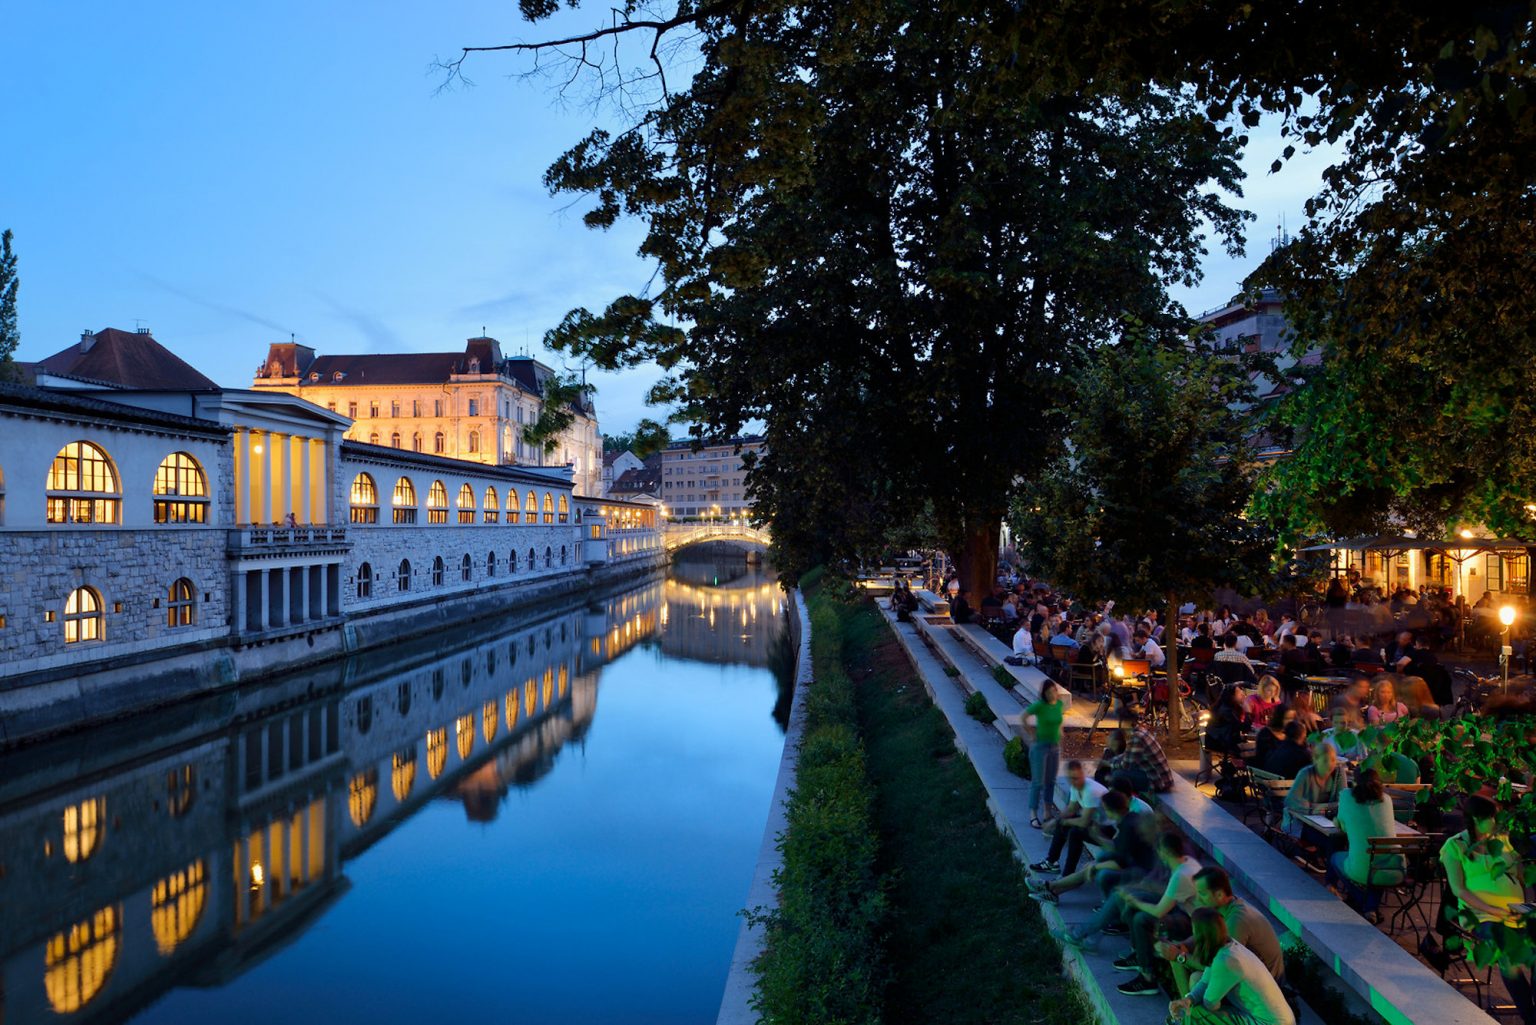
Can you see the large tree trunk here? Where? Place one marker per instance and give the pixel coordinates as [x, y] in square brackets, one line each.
[976, 559]
[1171, 649]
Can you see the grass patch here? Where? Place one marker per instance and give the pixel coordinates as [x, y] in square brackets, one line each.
[965, 944]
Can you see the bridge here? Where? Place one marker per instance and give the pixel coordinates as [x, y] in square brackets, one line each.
[680, 535]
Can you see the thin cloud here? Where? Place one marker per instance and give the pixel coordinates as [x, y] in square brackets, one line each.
[380, 335]
[209, 304]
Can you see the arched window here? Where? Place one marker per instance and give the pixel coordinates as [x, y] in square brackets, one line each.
[437, 571]
[492, 506]
[373, 437]
[562, 555]
[362, 795]
[365, 580]
[466, 568]
[2, 498]
[490, 564]
[530, 696]
[83, 486]
[416, 441]
[394, 439]
[531, 509]
[175, 906]
[77, 962]
[181, 490]
[565, 509]
[466, 504]
[474, 440]
[82, 616]
[533, 561]
[180, 790]
[403, 578]
[464, 734]
[437, 751]
[549, 508]
[512, 708]
[437, 503]
[181, 605]
[404, 501]
[84, 824]
[402, 774]
[365, 499]
[439, 443]
[549, 557]
[489, 721]
[512, 561]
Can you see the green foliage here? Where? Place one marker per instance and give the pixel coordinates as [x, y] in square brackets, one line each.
[1003, 676]
[563, 394]
[823, 961]
[10, 334]
[977, 708]
[1147, 498]
[1016, 757]
[648, 438]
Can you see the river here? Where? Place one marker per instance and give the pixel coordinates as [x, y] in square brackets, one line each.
[549, 819]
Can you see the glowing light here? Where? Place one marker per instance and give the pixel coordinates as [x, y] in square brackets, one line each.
[1466, 535]
[1507, 615]
[258, 876]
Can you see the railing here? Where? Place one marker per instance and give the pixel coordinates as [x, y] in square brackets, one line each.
[288, 537]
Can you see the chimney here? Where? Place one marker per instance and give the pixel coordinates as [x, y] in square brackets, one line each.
[142, 329]
[87, 339]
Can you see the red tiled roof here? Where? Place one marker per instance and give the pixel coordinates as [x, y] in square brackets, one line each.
[387, 368]
[126, 359]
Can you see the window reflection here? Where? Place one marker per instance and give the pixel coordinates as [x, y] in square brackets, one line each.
[488, 721]
[176, 905]
[437, 751]
[464, 731]
[78, 960]
[402, 774]
[362, 795]
[83, 827]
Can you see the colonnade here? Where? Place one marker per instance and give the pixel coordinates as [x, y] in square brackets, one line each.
[277, 474]
[269, 598]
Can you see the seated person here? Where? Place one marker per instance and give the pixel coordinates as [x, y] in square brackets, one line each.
[1139, 897]
[1070, 829]
[1290, 755]
[1227, 728]
[1143, 646]
[1355, 697]
[1484, 875]
[1316, 790]
[1265, 699]
[1294, 664]
[1271, 734]
[1143, 761]
[1024, 645]
[1365, 814]
[1130, 857]
[1384, 707]
[1233, 985]
[1363, 654]
[1344, 735]
[1168, 912]
[1247, 925]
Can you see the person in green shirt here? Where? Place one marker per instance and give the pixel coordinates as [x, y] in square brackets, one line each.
[1044, 749]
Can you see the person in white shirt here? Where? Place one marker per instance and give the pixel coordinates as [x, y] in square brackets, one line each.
[1148, 649]
[1234, 986]
[1069, 830]
[1024, 643]
[1287, 626]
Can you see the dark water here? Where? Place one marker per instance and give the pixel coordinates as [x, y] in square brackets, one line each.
[547, 820]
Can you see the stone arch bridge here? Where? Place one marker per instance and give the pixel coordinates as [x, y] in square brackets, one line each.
[681, 535]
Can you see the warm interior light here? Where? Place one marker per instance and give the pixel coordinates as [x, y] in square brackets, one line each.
[258, 877]
[256, 449]
[1507, 615]
[1466, 535]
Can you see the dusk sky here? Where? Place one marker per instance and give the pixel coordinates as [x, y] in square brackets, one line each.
[228, 174]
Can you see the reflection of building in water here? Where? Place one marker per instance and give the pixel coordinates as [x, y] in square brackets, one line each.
[136, 861]
[734, 622]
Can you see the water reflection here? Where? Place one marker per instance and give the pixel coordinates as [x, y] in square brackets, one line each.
[187, 848]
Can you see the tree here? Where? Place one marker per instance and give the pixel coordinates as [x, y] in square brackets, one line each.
[1145, 502]
[875, 237]
[10, 334]
[648, 438]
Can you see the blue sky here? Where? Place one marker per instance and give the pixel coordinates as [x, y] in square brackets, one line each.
[228, 174]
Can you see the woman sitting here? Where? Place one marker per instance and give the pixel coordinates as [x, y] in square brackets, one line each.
[1272, 734]
[1384, 707]
[1484, 873]
[1365, 814]
[1265, 699]
[1233, 986]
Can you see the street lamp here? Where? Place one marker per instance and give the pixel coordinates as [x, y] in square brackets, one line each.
[1507, 617]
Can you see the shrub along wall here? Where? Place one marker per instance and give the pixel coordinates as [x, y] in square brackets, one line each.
[823, 958]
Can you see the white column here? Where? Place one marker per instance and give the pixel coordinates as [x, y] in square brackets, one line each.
[264, 602]
[304, 508]
[282, 478]
[303, 594]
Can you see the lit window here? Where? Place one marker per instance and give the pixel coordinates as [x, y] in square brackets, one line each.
[362, 795]
[365, 580]
[437, 503]
[488, 721]
[181, 606]
[365, 499]
[466, 504]
[78, 961]
[83, 486]
[402, 774]
[565, 509]
[84, 824]
[437, 752]
[404, 501]
[492, 506]
[437, 571]
[467, 569]
[82, 616]
[464, 731]
[531, 509]
[512, 709]
[403, 578]
[175, 906]
[181, 490]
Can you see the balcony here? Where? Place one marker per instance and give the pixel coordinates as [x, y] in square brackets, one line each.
[287, 539]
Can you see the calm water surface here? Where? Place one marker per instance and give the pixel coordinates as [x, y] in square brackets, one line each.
[552, 819]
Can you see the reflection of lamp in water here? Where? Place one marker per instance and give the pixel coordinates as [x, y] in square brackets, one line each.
[258, 877]
[1506, 617]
